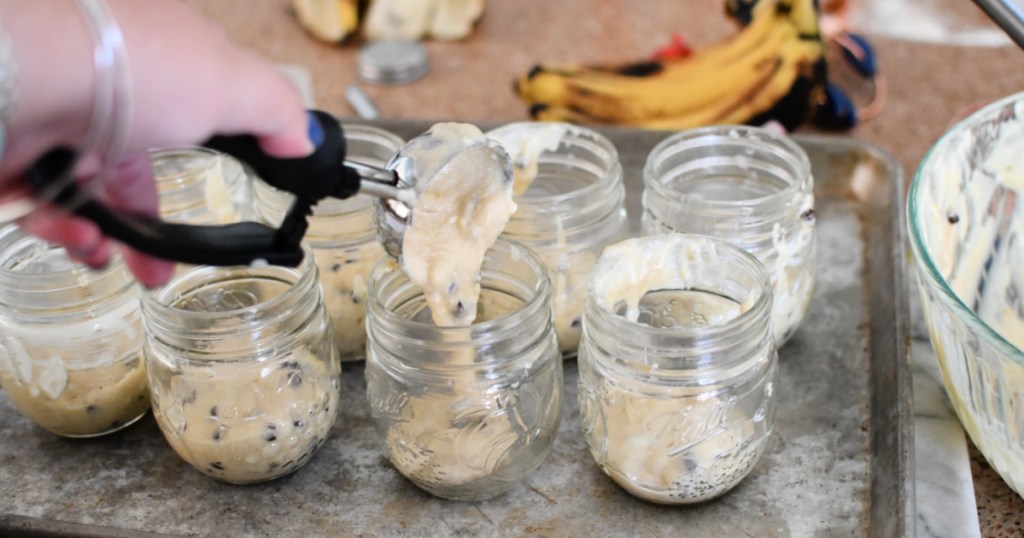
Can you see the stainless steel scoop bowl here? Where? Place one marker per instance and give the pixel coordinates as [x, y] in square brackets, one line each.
[415, 166]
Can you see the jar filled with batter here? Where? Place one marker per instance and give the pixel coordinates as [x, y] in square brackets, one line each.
[71, 350]
[466, 412]
[747, 186]
[569, 197]
[200, 186]
[343, 237]
[677, 366]
[242, 368]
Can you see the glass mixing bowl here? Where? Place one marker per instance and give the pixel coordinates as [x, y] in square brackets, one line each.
[966, 222]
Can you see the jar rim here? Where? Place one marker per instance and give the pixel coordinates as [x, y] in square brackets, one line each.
[776, 144]
[159, 302]
[75, 275]
[174, 151]
[626, 329]
[477, 333]
[612, 175]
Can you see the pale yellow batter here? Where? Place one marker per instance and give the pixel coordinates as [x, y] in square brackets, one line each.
[74, 400]
[458, 216]
[249, 421]
[343, 276]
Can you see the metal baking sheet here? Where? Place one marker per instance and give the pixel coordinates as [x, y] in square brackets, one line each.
[838, 464]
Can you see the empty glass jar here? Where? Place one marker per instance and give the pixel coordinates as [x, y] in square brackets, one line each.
[343, 236]
[71, 353]
[677, 366]
[750, 187]
[466, 413]
[570, 200]
[242, 368]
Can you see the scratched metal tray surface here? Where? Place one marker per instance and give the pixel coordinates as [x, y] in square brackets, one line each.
[838, 464]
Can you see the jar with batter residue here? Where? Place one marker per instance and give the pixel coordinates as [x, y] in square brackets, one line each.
[750, 187]
[343, 237]
[466, 412]
[200, 186]
[70, 339]
[570, 196]
[242, 367]
[677, 366]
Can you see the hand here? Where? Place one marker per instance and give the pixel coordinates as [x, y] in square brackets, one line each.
[189, 82]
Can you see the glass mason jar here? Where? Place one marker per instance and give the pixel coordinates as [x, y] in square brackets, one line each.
[343, 237]
[677, 366]
[200, 186]
[71, 356]
[570, 198]
[466, 413]
[750, 187]
[242, 368]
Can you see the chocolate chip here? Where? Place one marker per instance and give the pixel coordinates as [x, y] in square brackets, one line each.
[216, 435]
[90, 408]
[294, 379]
[299, 424]
[271, 437]
[953, 218]
[292, 365]
[217, 465]
[808, 215]
[336, 267]
[460, 309]
[213, 411]
[350, 261]
[191, 399]
[575, 323]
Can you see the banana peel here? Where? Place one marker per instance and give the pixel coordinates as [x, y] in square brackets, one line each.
[335, 21]
[330, 21]
[773, 68]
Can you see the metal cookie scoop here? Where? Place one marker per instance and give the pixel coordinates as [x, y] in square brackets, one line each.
[414, 167]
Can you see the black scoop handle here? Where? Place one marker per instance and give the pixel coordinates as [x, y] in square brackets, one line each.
[311, 178]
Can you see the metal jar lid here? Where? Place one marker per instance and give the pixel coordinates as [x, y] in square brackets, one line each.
[392, 62]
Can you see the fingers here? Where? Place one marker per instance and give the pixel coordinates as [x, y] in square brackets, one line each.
[133, 189]
[80, 238]
[268, 106]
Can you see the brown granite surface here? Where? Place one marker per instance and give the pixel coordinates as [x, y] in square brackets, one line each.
[471, 80]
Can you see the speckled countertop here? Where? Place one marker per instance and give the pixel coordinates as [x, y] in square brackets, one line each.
[928, 50]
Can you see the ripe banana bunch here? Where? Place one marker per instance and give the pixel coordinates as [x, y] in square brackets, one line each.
[334, 21]
[773, 68]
